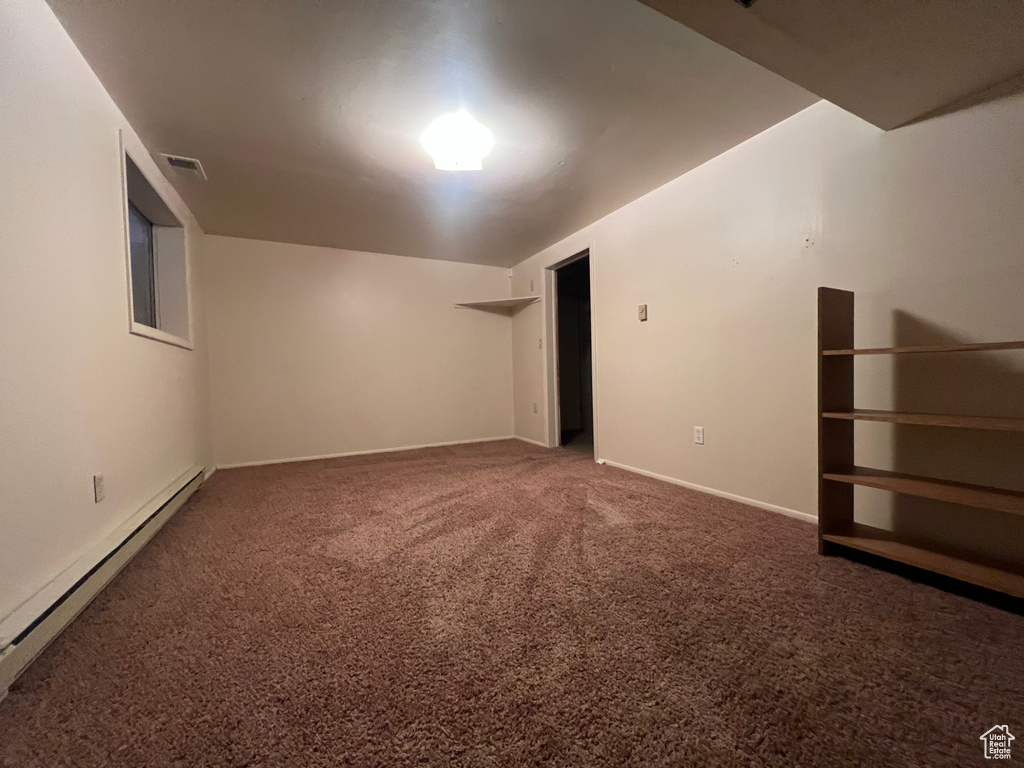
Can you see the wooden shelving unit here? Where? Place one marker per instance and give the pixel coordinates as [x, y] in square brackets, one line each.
[838, 474]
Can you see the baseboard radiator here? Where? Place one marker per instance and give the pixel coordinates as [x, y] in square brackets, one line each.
[55, 618]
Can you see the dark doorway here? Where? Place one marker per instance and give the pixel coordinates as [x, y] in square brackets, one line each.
[575, 372]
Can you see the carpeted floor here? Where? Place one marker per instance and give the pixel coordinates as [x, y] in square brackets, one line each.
[503, 605]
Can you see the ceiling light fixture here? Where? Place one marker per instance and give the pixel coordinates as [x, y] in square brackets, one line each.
[457, 142]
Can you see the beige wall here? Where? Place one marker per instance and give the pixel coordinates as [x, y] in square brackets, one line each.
[318, 351]
[78, 394]
[925, 223]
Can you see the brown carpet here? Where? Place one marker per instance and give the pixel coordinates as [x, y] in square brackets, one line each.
[502, 605]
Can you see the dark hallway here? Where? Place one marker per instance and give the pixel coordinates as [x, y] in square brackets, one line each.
[575, 373]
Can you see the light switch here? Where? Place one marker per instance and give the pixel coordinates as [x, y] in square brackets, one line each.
[642, 312]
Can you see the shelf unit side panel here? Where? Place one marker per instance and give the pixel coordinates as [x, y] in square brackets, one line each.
[835, 393]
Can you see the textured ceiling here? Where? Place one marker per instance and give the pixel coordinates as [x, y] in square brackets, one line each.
[307, 115]
[889, 61]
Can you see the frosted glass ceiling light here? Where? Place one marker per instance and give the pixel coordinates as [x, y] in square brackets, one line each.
[457, 142]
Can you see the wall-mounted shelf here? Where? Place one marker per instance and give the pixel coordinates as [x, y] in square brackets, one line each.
[838, 475]
[508, 305]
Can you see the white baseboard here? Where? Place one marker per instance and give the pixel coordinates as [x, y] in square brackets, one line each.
[209, 473]
[532, 442]
[722, 494]
[363, 453]
[38, 621]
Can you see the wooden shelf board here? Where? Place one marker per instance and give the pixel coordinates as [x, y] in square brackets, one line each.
[970, 568]
[510, 304]
[930, 419]
[926, 349]
[979, 496]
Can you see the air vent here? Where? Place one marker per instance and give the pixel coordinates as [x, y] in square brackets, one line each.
[185, 165]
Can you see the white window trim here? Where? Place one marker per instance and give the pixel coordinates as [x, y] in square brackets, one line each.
[138, 329]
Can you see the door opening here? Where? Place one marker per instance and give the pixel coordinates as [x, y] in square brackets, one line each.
[575, 367]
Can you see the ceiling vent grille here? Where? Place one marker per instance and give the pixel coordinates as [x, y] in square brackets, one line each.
[186, 166]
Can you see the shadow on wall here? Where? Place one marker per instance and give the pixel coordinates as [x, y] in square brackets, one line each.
[490, 310]
[968, 383]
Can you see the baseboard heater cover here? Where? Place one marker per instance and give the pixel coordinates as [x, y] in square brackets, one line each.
[45, 628]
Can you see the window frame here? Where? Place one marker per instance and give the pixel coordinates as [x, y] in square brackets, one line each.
[154, 293]
[140, 329]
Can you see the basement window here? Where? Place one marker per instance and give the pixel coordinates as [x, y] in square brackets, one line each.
[157, 260]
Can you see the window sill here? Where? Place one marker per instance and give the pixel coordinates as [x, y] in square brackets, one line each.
[137, 329]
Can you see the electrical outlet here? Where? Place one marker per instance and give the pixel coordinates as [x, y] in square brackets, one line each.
[642, 313]
[531, 286]
[99, 489]
[534, 407]
[698, 435]
[540, 343]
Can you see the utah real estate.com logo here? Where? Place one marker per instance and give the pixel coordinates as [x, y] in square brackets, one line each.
[997, 742]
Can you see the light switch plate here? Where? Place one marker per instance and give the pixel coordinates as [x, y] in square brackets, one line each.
[642, 312]
[698, 435]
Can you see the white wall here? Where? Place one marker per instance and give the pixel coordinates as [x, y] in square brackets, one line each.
[78, 394]
[925, 224]
[318, 351]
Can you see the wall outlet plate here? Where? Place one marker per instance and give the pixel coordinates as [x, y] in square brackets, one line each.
[99, 488]
[698, 435]
[642, 312]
